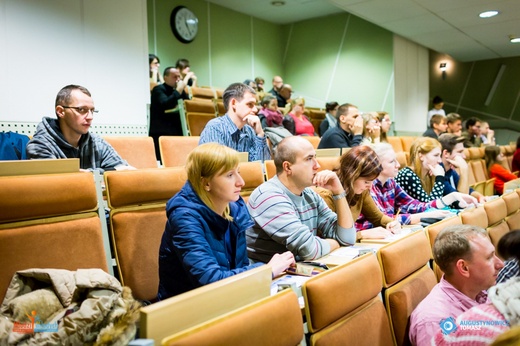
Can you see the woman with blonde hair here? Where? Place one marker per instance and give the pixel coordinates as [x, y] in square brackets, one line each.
[494, 157]
[424, 179]
[371, 128]
[302, 124]
[204, 239]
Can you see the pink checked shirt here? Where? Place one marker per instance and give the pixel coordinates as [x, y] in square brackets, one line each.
[443, 301]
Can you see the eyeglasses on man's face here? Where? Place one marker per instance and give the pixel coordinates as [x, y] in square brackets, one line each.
[83, 110]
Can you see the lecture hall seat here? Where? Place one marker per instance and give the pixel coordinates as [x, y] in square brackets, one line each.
[49, 221]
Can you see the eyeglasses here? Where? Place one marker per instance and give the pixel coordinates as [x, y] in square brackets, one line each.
[83, 110]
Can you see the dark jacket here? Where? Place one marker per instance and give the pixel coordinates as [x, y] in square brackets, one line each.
[169, 124]
[195, 249]
[336, 137]
[94, 152]
[430, 133]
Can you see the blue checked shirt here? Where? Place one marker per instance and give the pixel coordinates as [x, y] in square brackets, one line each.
[510, 270]
[222, 130]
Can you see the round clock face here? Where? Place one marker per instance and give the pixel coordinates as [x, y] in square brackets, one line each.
[184, 24]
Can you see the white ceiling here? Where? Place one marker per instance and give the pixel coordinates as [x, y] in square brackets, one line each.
[446, 26]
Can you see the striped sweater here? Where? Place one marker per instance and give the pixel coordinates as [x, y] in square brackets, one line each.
[285, 221]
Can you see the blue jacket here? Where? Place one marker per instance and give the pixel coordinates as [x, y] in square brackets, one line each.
[193, 249]
[12, 146]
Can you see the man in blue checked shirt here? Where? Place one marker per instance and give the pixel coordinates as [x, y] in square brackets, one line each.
[240, 127]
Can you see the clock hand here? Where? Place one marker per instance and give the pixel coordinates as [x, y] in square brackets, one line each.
[187, 27]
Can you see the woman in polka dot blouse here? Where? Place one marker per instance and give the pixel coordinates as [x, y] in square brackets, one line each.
[424, 179]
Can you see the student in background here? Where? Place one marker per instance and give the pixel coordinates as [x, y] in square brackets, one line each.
[438, 104]
[155, 73]
[437, 126]
[302, 124]
[68, 135]
[204, 239]
[494, 158]
[188, 77]
[508, 248]
[330, 117]
[386, 123]
[275, 91]
[371, 128]
[454, 162]
[424, 179]
[472, 133]
[486, 134]
[165, 97]
[516, 157]
[260, 84]
[348, 133]
[240, 127]
[269, 115]
[454, 122]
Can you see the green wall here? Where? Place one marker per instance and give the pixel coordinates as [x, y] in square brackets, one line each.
[230, 47]
[339, 57]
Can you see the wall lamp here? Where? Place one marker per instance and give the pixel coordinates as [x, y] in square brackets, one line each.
[443, 68]
[514, 39]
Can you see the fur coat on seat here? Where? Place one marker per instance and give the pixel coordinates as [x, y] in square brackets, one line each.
[86, 307]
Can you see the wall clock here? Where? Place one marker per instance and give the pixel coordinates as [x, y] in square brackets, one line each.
[184, 24]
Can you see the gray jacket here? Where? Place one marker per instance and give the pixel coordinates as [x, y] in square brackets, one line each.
[94, 152]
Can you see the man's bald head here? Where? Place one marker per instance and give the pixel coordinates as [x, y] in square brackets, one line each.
[288, 149]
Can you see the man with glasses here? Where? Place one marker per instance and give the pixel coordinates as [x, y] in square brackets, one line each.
[68, 135]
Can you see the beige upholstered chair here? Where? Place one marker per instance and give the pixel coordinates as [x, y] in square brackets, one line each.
[513, 210]
[343, 304]
[407, 280]
[432, 232]
[195, 114]
[137, 201]
[274, 320]
[475, 216]
[139, 152]
[175, 149]
[496, 211]
[253, 175]
[49, 221]
[191, 308]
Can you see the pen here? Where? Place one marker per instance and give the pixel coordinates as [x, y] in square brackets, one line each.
[397, 214]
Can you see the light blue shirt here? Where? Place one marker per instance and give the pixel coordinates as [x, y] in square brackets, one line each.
[224, 131]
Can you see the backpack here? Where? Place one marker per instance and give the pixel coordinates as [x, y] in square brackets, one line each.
[276, 134]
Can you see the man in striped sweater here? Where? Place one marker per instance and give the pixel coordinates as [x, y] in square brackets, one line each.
[289, 215]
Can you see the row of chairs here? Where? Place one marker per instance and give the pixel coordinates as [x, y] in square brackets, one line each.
[43, 220]
[400, 272]
[407, 278]
[140, 151]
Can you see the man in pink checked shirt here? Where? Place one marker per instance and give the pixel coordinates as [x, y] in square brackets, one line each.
[467, 257]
